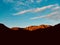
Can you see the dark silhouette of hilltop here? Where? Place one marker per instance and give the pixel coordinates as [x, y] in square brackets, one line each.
[40, 33]
[30, 29]
[3, 28]
[55, 28]
[41, 28]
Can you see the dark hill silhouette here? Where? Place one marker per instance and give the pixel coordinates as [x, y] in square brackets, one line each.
[41, 28]
[55, 28]
[3, 28]
[23, 35]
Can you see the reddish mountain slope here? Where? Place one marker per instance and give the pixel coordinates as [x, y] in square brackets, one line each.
[32, 28]
[15, 28]
[41, 28]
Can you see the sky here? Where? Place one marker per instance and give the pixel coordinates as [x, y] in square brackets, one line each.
[23, 13]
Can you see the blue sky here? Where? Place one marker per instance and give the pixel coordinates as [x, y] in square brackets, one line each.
[22, 13]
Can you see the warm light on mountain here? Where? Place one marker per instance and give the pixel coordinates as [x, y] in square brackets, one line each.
[31, 28]
[15, 28]
[40, 28]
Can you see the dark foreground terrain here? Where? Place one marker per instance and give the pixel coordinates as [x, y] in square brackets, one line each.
[31, 35]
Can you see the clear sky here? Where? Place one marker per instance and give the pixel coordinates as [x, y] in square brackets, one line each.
[22, 13]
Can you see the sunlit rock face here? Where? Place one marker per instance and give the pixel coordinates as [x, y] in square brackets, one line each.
[44, 26]
[15, 28]
[32, 28]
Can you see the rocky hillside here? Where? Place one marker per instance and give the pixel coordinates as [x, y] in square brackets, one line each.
[40, 28]
[32, 28]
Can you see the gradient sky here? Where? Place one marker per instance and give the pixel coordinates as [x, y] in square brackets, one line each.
[22, 13]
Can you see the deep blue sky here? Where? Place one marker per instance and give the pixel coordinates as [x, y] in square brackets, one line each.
[24, 13]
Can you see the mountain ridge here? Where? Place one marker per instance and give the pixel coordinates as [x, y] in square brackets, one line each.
[40, 28]
[32, 28]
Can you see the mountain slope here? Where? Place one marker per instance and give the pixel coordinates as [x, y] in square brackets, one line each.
[41, 28]
[32, 28]
[3, 28]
